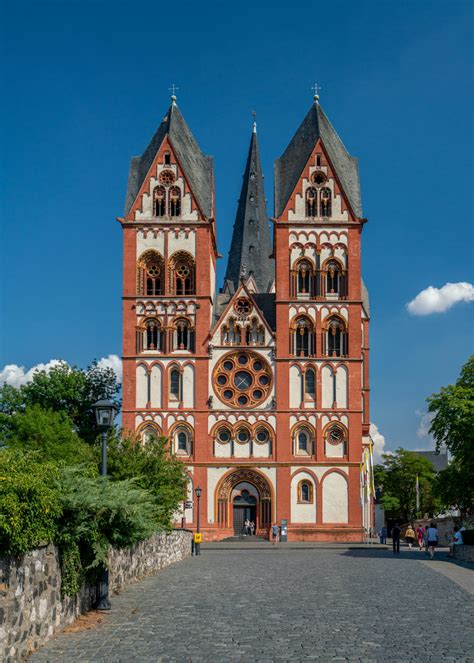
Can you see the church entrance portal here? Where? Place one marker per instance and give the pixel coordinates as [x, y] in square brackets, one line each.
[244, 508]
[244, 495]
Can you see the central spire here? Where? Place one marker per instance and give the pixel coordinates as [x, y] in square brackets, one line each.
[250, 248]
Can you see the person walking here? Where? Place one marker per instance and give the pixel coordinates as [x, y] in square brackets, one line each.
[275, 532]
[246, 527]
[432, 539]
[419, 535]
[383, 535]
[252, 528]
[410, 536]
[396, 531]
[425, 539]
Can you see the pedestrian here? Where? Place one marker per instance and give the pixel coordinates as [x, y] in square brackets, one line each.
[383, 535]
[432, 539]
[246, 527]
[275, 532]
[425, 539]
[410, 536]
[396, 531]
[419, 535]
[252, 528]
[457, 541]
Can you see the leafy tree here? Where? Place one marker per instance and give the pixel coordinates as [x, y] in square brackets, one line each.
[153, 468]
[397, 477]
[453, 427]
[30, 505]
[66, 389]
[50, 434]
[454, 488]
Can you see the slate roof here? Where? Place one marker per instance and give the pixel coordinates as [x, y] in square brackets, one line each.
[197, 166]
[251, 246]
[365, 298]
[439, 460]
[290, 165]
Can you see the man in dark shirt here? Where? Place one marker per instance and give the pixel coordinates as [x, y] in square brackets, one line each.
[396, 531]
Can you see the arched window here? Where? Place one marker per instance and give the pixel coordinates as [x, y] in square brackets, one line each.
[159, 201]
[336, 278]
[303, 442]
[182, 274]
[150, 273]
[183, 440]
[149, 434]
[336, 337]
[305, 278]
[223, 435]
[309, 385]
[231, 333]
[153, 336]
[174, 201]
[326, 206]
[303, 337]
[311, 202]
[305, 492]
[175, 385]
[183, 335]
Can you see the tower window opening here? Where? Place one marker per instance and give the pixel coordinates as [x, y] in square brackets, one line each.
[318, 161]
[167, 159]
[311, 202]
[175, 201]
[303, 338]
[336, 335]
[159, 201]
[326, 206]
[175, 385]
[310, 385]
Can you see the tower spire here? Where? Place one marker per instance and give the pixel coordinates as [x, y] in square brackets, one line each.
[250, 247]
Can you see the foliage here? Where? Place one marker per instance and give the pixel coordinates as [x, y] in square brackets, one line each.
[455, 488]
[453, 427]
[49, 433]
[397, 476]
[30, 505]
[72, 571]
[98, 513]
[153, 468]
[66, 389]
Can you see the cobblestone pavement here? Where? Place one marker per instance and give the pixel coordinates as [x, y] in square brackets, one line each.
[277, 605]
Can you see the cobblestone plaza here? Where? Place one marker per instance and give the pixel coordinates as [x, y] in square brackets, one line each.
[286, 604]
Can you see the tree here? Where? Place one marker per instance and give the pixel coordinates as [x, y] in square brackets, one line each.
[453, 427]
[66, 389]
[397, 477]
[50, 434]
[455, 489]
[153, 468]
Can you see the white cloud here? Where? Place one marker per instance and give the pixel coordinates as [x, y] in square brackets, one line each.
[114, 362]
[438, 300]
[425, 423]
[16, 376]
[379, 443]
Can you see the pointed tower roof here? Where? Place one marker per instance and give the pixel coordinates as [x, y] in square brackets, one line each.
[290, 165]
[197, 166]
[250, 248]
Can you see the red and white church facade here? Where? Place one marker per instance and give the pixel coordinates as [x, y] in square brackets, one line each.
[262, 385]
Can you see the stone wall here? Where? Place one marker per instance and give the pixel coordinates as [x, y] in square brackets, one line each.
[464, 553]
[31, 606]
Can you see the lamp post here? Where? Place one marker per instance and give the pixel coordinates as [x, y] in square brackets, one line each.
[197, 546]
[104, 415]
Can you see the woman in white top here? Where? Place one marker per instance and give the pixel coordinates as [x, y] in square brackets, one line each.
[457, 541]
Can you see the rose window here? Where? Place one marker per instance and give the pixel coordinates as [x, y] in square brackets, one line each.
[167, 177]
[243, 306]
[319, 178]
[243, 379]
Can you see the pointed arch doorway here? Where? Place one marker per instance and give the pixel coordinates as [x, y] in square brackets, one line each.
[244, 494]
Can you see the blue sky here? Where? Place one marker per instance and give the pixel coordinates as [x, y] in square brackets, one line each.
[86, 83]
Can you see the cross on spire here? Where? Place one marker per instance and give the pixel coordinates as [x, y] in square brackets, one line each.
[173, 90]
[254, 113]
[316, 89]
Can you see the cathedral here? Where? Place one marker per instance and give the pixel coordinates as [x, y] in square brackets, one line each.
[260, 385]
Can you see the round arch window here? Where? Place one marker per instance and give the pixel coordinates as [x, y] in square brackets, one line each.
[243, 435]
[262, 435]
[243, 379]
[223, 435]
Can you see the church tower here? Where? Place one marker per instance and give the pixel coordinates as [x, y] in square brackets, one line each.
[262, 388]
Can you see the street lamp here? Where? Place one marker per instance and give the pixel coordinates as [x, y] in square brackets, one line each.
[104, 416]
[197, 545]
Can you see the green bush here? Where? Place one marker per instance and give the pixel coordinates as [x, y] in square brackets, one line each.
[30, 504]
